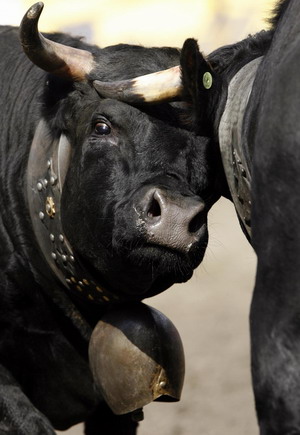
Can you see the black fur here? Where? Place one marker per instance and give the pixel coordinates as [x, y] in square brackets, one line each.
[278, 13]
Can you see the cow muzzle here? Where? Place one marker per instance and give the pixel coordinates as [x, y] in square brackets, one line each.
[171, 220]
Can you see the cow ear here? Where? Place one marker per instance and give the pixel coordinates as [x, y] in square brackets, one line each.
[199, 84]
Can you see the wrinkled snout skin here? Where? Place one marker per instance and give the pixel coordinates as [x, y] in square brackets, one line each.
[170, 219]
[136, 198]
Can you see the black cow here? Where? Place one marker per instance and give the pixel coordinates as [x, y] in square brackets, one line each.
[246, 98]
[254, 114]
[101, 203]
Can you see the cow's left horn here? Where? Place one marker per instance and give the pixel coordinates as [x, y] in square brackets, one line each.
[157, 87]
[71, 63]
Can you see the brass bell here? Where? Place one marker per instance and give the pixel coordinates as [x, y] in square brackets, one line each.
[136, 356]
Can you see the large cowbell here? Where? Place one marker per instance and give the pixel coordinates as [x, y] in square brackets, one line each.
[136, 356]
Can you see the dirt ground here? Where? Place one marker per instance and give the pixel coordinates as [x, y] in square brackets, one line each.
[211, 315]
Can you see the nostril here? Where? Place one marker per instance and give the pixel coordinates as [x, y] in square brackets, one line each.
[154, 209]
[196, 223]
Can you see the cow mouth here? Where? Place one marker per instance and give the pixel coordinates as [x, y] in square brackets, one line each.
[135, 273]
[149, 269]
[165, 267]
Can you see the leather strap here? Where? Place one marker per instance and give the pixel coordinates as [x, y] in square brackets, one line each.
[232, 148]
[46, 172]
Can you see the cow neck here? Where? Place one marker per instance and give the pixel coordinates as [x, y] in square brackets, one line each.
[232, 143]
[47, 167]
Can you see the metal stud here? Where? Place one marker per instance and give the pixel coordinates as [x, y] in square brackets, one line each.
[61, 238]
[52, 237]
[41, 215]
[53, 180]
[53, 255]
[85, 281]
[73, 279]
[72, 258]
[79, 288]
[64, 258]
[46, 182]
[48, 163]
[106, 298]
[99, 289]
[39, 186]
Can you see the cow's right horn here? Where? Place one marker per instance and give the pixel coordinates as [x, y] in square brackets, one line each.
[156, 87]
[71, 63]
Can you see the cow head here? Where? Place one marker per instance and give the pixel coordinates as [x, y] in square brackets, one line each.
[138, 187]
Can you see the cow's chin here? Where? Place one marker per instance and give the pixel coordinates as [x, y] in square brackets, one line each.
[172, 267]
[148, 270]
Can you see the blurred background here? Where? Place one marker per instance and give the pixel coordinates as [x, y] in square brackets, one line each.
[211, 310]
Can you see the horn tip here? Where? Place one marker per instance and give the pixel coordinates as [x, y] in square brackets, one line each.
[35, 11]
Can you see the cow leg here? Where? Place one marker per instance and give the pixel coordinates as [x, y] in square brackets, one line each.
[103, 421]
[275, 338]
[18, 416]
[275, 310]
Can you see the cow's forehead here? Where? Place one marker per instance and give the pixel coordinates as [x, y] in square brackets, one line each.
[118, 110]
[89, 104]
[123, 61]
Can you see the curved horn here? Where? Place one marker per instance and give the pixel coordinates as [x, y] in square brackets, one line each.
[157, 87]
[71, 63]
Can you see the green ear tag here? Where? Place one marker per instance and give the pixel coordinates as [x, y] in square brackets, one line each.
[207, 80]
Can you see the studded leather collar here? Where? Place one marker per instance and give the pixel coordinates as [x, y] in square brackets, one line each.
[47, 167]
[233, 149]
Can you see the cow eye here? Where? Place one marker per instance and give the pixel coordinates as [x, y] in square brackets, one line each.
[102, 128]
